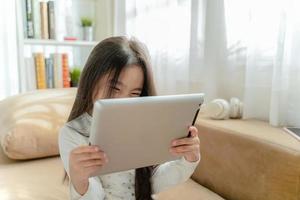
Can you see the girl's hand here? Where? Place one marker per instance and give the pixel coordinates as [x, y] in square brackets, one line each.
[84, 162]
[188, 147]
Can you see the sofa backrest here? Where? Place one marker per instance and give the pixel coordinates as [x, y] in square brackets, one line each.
[248, 160]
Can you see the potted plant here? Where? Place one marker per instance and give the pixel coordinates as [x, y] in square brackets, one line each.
[87, 26]
[75, 75]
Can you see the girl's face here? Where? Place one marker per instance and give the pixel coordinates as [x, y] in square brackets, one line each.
[130, 84]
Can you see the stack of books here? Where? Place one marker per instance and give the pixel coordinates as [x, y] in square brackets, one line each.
[39, 19]
[44, 73]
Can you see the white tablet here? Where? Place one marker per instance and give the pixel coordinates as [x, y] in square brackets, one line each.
[137, 132]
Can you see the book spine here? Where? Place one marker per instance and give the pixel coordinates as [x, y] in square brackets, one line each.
[30, 74]
[44, 20]
[65, 69]
[49, 73]
[24, 18]
[51, 19]
[29, 24]
[57, 70]
[60, 21]
[40, 70]
[36, 18]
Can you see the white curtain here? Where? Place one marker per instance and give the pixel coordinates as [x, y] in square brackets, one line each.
[247, 49]
[9, 81]
[184, 60]
[264, 37]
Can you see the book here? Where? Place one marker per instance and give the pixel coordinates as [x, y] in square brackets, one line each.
[24, 18]
[29, 20]
[44, 20]
[57, 70]
[49, 73]
[60, 21]
[30, 74]
[51, 20]
[65, 69]
[36, 18]
[40, 71]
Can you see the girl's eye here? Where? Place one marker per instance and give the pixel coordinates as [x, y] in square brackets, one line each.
[115, 89]
[135, 94]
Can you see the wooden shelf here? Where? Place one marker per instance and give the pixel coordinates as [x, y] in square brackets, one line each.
[60, 43]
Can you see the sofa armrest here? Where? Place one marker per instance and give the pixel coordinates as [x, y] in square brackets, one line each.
[248, 159]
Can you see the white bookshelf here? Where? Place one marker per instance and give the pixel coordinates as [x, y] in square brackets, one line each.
[79, 43]
[100, 11]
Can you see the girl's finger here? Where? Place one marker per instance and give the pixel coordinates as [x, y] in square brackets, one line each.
[90, 163]
[185, 149]
[179, 154]
[91, 156]
[193, 130]
[86, 149]
[185, 141]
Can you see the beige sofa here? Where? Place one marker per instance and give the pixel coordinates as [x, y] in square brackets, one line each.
[241, 160]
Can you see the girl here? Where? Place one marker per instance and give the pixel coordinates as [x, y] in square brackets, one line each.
[117, 67]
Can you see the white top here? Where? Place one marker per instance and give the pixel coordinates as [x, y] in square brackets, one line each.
[119, 185]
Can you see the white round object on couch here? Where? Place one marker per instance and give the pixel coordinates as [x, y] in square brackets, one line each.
[236, 108]
[217, 109]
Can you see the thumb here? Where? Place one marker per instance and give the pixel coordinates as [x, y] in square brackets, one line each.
[193, 134]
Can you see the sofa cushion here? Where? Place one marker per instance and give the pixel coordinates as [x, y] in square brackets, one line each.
[188, 190]
[43, 179]
[32, 179]
[30, 122]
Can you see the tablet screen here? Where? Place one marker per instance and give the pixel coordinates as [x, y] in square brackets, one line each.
[295, 131]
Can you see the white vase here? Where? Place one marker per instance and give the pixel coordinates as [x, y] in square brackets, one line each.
[88, 33]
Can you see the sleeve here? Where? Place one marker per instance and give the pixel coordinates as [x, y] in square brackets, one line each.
[172, 173]
[68, 140]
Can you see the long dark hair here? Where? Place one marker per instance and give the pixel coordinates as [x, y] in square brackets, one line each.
[111, 56]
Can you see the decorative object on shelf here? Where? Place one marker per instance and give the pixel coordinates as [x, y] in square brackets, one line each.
[67, 38]
[75, 76]
[87, 26]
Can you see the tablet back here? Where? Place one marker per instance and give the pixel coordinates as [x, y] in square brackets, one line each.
[137, 132]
